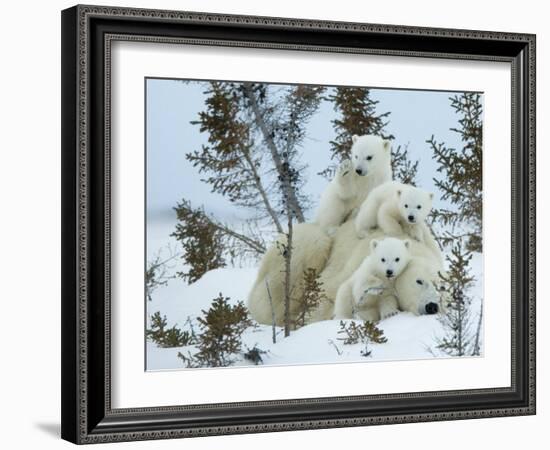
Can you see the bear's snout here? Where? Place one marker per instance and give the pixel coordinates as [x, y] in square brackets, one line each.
[389, 273]
[431, 308]
[358, 171]
[411, 219]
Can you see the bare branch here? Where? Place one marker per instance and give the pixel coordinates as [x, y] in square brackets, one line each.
[254, 245]
[331, 342]
[205, 241]
[270, 143]
[263, 193]
[156, 274]
[477, 347]
[461, 182]
[273, 323]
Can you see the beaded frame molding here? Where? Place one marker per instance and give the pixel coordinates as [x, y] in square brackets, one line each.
[87, 35]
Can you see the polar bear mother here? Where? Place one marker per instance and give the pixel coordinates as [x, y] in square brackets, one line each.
[414, 289]
[336, 259]
[369, 167]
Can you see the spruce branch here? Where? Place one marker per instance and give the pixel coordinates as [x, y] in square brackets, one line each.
[157, 272]
[404, 170]
[268, 134]
[165, 337]
[357, 115]
[219, 342]
[366, 333]
[461, 181]
[458, 338]
[231, 157]
[312, 295]
[202, 242]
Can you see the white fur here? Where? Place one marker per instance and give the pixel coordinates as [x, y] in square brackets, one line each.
[397, 208]
[336, 259]
[311, 249]
[347, 254]
[419, 285]
[360, 293]
[370, 166]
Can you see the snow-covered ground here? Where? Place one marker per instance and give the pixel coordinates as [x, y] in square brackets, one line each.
[408, 336]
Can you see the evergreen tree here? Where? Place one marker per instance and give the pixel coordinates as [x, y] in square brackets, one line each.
[157, 273]
[312, 295]
[462, 180]
[459, 338]
[404, 170]
[202, 241]
[252, 157]
[231, 159]
[253, 128]
[366, 333]
[254, 133]
[356, 116]
[219, 341]
[165, 337]
[301, 102]
[288, 177]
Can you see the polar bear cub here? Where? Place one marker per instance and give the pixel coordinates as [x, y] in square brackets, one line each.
[365, 292]
[395, 208]
[369, 166]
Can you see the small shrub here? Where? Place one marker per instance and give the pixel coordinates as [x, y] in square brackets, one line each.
[220, 338]
[201, 240]
[365, 333]
[312, 295]
[459, 338]
[254, 355]
[167, 337]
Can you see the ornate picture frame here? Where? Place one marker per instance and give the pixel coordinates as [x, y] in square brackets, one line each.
[88, 33]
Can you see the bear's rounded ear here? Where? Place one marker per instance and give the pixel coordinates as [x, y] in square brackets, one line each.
[354, 138]
[373, 244]
[407, 243]
[387, 145]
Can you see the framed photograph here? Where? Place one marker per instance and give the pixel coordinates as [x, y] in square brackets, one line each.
[281, 224]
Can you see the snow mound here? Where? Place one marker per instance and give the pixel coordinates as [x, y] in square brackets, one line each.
[408, 336]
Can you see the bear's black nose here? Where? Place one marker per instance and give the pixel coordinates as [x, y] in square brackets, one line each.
[411, 218]
[358, 171]
[389, 273]
[432, 308]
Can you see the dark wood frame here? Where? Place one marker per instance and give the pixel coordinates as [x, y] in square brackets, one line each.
[87, 32]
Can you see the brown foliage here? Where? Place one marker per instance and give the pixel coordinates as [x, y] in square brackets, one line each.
[403, 169]
[357, 115]
[365, 333]
[202, 241]
[459, 339]
[220, 339]
[312, 295]
[166, 337]
[462, 181]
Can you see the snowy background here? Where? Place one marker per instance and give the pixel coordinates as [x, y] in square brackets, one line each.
[171, 106]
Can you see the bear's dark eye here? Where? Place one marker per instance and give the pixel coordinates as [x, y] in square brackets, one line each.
[406, 206]
[419, 206]
[383, 259]
[420, 282]
[396, 259]
[369, 158]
